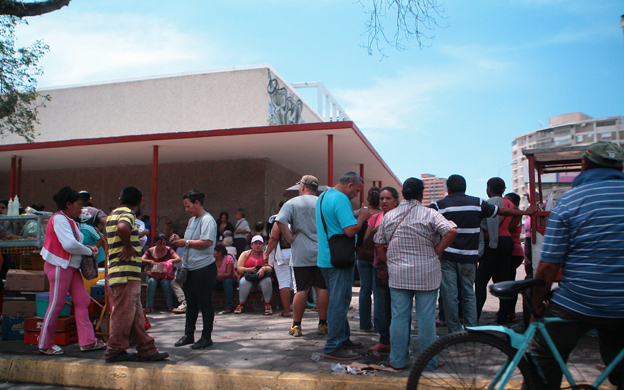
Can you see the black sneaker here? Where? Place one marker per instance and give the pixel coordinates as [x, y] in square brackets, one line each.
[341, 354]
[348, 344]
[122, 357]
[202, 343]
[154, 357]
[185, 340]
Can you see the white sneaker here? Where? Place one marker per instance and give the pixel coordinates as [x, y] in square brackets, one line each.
[180, 309]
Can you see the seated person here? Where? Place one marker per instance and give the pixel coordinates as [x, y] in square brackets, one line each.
[226, 278]
[160, 253]
[228, 241]
[248, 262]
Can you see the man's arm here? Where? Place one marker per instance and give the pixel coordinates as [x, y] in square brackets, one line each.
[125, 235]
[273, 240]
[352, 230]
[446, 241]
[509, 212]
[547, 272]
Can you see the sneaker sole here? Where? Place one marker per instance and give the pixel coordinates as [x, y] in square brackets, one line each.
[339, 358]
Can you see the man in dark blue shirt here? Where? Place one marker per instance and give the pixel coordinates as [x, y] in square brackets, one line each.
[459, 261]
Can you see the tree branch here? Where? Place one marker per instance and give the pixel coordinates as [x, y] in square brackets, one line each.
[22, 9]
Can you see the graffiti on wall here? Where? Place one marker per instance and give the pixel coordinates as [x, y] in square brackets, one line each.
[284, 109]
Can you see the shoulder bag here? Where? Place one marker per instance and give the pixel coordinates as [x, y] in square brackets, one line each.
[182, 272]
[341, 246]
[89, 263]
[382, 267]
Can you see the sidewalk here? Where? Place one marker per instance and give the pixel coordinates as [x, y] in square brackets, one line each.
[250, 350]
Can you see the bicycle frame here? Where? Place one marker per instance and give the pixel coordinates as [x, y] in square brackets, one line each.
[522, 342]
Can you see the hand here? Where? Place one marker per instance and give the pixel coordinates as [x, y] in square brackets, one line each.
[260, 273]
[127, 253]
[174, 237]
[365, 214]
[179, 242]
[532, 210]
[265, 257]
[438, 250]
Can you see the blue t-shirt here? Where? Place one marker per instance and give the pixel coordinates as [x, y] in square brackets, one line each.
[338, 214]
[585, 235]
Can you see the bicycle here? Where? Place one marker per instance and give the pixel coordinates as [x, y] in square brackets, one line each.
[474, 359]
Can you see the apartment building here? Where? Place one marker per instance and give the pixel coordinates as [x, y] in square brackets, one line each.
[435, 188]
[572, 129]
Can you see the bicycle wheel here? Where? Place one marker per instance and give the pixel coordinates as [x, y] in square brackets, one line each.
[471, 361]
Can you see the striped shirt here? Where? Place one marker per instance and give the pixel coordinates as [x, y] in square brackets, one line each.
[412, 261]
[585, 234]
[120, 272]
[467, 212]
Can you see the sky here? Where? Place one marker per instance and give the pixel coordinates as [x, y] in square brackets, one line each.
[488, 72]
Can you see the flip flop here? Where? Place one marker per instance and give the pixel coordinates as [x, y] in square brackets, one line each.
[94, 347]
[284, 315]
[226, 312]
[148, 310]
[54, 350]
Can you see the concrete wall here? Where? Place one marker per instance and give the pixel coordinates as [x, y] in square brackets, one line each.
[215, 100]
[255, 185]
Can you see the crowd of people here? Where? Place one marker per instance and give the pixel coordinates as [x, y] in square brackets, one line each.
[406, 253]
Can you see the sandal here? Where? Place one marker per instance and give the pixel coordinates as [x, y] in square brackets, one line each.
[94, 347]
[148, 310]
[282, 314]
[54, 350]
[226, 311]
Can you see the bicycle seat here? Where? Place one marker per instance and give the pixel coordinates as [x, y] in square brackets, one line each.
[511, 288]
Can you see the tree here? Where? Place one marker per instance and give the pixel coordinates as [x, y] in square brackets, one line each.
[22, 9]
[19, 99]
[411, 17]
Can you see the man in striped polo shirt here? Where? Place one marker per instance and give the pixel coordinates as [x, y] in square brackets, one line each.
[585, 239]
[459, 261]
[124, 277]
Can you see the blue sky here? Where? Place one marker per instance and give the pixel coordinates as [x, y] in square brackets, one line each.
[491, 71]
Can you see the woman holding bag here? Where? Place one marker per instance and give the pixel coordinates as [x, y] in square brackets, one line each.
[160, 253]
[62, 251]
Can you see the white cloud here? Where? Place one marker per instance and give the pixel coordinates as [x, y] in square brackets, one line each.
[104, 47]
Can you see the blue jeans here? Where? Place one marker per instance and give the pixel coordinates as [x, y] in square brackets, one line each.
[402, 319]
[228, 285]
[383, 311]
[460, 275]
[339, 283]
[367, 287]
[152, 283]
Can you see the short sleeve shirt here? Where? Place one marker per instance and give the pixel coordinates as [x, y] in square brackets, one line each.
[300, 213]
[338, 214]
[120, 272]
[202, 228]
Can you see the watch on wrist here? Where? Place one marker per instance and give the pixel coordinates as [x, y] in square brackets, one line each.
[187, 244]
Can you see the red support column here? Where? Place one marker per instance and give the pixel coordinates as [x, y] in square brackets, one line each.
[18, 178]
[154, 193]
[12, 178]
[363, 186]
[330, 160]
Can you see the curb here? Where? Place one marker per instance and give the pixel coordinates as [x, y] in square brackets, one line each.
[73, 372]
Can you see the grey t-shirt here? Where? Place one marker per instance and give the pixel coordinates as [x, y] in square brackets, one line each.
[206, 230]
[300, 213]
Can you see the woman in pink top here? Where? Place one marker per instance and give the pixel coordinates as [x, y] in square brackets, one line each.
[389, 199]
[226, 276]
[62, 251]
[160, 253]
[248, 262]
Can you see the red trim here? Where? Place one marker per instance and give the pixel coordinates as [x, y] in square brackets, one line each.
[330, 160]
[18, 178]
[154, 193]
[12, 178]
[363, 188]
[316, 126]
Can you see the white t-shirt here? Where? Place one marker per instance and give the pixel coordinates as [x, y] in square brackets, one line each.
[202, 228]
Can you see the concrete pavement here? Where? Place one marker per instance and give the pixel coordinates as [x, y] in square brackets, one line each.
[250, 351]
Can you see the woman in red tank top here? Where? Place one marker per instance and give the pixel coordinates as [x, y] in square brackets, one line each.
[248, 262]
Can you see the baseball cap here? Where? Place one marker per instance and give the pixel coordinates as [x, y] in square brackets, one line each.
[257, 238]
[309, 181]
[605, 153]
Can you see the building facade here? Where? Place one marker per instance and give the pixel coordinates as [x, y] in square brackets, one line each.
[574, 129]
[435, 188]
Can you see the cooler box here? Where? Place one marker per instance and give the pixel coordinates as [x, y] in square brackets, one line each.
[43, 299]
[12, 328]
[97, 292]
[90, 283]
